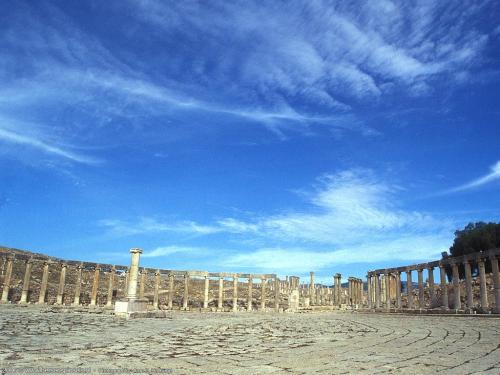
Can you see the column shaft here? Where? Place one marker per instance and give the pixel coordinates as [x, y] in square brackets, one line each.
[220, 301]
[468, 285]
[8, 276]
[398, 290]
[205, 294]
[133, 273]
[421, 295]
[78, 285]
[26, 282]
[43, 286]
[185, 299]
[432, 291]
[111, 280]
[368, 284]
[262, 294]
[142, 285]
[409, 289]
[62, 281]
[496, 282]
[444, 287]
[156, 295]
[250, 299]
[170, 290]
[456, 287]
[377, 291]
[482, 285]
[95, 286]
[277, 295]
[387, 291]
[235, 293]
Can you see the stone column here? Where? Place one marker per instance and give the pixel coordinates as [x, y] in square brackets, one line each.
[185, 299]
[205, 294]
[170, 290]
[111, 280]
[421, 295]
[62, 281]
[127, 275]
[368, 284]
[398, 290]
[432, 291]
[220, 301]
[262, 294]
[387, 290]
[444, 287]
[377, 291]
[250, 299]
[312, 296]
[156, 295]
[338, 288]
[496, 282]
[482, 285]
[468, 285]
[95, 286]
[409, 289]
[235, 293]
[277, 294]
[8, 276]
[456, 287]
[142, 285]
[26, 281]
[78, 285]
[133, 273]
[43, 286]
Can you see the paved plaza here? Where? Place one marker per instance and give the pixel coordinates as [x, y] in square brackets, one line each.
[249, 343]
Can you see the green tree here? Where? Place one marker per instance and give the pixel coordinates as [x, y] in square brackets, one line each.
[475, 237]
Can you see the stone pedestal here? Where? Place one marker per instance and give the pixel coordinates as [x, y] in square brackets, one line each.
[126, 307]
[293, 301]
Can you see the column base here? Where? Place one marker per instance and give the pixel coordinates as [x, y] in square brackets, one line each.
[126, 307]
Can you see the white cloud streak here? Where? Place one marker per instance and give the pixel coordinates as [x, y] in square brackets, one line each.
[486, 179]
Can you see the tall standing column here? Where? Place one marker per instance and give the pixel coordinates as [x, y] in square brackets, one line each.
[62, 281]
[456, 287]
[312, 299]
[142, 285]
[205, 292]
[263, 294]
[26, 281]
[95, 286]
[185, 299]
[6, 280]
[432, 290]
[377, 291]
[444, 287]
[421, 295]
[398, 290]
[468, 285]
[496, 282]
[156, 295]
[235, 293]
[111, 280]
[170, 290]
[220, 301]
[78, 284]
[338, 288]
[133, 273]
[387, 290]
[409, 289]
[482, 285]
[277, 294]
[368, 284]
[45, 280]
[250, 285]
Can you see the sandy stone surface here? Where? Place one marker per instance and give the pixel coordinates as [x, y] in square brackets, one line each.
[248, 343]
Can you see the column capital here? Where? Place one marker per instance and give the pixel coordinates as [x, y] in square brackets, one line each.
[136, 250]
[63, 265]
[158, 273]
[98, 267]
[429, 267]
[29, 260]
[78, 267]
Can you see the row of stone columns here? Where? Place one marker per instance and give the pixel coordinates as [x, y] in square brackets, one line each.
[355, 291]
[375, 290]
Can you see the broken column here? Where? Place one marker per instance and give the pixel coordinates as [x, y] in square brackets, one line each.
[111, 280]
[156, 295]
[185, 298]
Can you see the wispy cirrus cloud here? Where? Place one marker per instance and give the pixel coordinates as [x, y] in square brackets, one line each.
[494, 175]
[351, 217]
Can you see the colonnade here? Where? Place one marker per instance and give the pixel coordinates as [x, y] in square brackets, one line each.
[266, 283]
[426, 294]
[355, 291]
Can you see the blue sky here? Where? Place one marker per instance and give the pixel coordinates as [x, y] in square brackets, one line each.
[243, 136]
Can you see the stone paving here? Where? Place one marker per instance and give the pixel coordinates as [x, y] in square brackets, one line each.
[248, 343]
